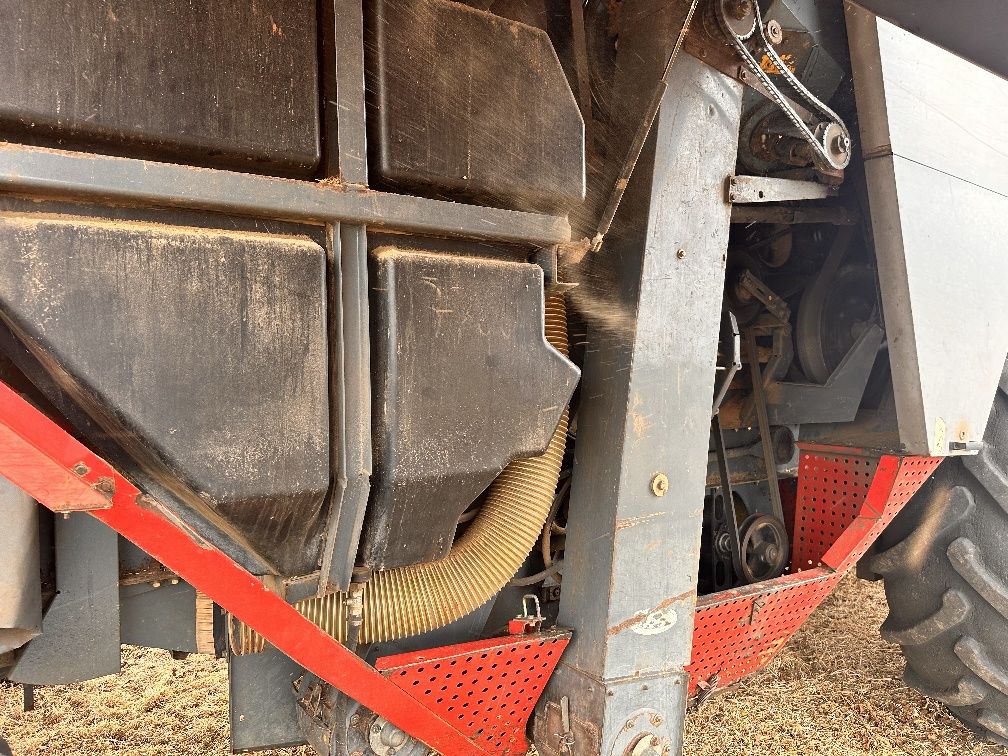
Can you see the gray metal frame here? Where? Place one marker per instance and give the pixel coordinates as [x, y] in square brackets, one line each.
[101, 178]
[80, 627]
[629, 585]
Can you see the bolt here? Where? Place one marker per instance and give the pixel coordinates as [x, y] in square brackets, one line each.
[105, 486]
[355, 720]
[156, 584]
[174, 581]
[681, 254]
[842, 143]
[774, 32]
[739, 8]
[660, 484]
[81, 469]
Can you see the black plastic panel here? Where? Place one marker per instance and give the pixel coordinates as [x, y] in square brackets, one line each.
[464, 383]
[220, 84]
[467, 105]
[201, 352]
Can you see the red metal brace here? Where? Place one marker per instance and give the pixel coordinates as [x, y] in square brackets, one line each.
[58, 471]
[845, 499]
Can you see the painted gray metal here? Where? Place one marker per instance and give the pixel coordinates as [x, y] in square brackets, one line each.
[80, 629]
[756, 189]
[261, 701]
[162, 617]
[629, 584]
[350, 393]
[974, 29]
[932, 132]
[76, 175]
[20, 586]
[343, 91]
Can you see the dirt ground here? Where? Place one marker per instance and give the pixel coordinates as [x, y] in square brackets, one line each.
[834, 690]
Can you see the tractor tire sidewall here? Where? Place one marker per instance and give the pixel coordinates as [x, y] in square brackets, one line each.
[944, 561]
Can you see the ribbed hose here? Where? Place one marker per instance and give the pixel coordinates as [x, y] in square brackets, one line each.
[411, 600]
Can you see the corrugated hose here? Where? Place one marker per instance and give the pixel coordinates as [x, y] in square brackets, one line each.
[407, 601]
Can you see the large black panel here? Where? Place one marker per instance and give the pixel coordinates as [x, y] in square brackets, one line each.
[464, 383]
[467, 105]
[193, 81]
[202, 353]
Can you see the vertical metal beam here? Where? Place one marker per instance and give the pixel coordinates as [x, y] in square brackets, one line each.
[344, 139]
[80, 629]
[632, 549]
[350, 394]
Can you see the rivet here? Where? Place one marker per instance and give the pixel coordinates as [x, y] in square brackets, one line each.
[81, 469]
[681, 254]
[660, 484]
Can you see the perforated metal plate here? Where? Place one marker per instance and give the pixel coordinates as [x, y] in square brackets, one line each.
[845, 499]
[740, 630]
[486, 688]
[832, 489]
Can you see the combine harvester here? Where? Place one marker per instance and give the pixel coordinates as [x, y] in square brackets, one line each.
[475, 376]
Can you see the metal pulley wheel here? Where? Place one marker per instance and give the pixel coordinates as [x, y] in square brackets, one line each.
[763, 544]
[833, 314]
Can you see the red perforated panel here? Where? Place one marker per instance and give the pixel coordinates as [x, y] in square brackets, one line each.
[831, 490]
[845, 499]
[486, 688]
[741, 630]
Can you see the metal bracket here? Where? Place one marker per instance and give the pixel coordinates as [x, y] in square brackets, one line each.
[744, 190]
[37, 455]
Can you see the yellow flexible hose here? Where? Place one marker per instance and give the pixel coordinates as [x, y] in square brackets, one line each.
[416, 599]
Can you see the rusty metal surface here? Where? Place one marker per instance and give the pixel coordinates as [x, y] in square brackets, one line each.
[845, 498]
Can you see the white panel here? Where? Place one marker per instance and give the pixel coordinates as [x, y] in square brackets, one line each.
[937, 172]
[924, 103]
[945, 304]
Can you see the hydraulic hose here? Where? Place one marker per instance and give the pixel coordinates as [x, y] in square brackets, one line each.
[411, 600]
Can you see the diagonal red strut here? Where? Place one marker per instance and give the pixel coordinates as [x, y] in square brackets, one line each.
[51, 466]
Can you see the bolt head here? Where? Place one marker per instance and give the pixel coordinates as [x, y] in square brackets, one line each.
[774, 32]
[681, 254]
[660, 484]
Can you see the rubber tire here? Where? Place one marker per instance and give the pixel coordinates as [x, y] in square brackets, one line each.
[944, 561]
